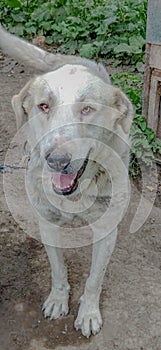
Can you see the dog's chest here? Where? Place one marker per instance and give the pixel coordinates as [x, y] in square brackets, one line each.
[84, 206]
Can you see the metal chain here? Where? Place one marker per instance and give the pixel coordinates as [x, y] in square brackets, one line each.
[7, 168]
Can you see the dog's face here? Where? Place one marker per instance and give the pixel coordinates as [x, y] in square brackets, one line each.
[60, 106]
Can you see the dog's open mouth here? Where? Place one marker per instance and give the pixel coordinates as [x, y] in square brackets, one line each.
[65, 183]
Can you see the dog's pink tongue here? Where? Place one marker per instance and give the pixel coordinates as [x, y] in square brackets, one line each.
[63, 180]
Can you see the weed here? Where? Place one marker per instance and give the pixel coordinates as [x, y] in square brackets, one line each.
[144, 143]
[88, 27]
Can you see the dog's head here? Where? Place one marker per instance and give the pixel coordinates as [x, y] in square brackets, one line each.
[63, 109]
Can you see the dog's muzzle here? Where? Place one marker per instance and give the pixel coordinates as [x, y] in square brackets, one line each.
[64, 178]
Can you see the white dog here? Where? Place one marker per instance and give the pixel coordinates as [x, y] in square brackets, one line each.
[79, 139]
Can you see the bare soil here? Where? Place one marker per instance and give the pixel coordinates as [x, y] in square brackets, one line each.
[131, 298]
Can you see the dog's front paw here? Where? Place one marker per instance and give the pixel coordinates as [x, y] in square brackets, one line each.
[56, 304]
[89, 319]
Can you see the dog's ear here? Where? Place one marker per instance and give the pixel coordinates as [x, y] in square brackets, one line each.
[125, 108]
[21, 105]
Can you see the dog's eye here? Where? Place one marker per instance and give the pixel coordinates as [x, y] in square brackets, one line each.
[44, 107]
[87, 110]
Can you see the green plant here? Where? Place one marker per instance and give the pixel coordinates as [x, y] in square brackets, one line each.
[104, 28]
[144, 143]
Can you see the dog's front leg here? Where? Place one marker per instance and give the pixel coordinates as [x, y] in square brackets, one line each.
[56, 304]
[89, 318]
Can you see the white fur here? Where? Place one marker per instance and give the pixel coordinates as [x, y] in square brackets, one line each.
[72, 84]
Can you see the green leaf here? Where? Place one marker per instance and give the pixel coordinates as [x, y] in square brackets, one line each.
[140, 66]
[87, 50]
[135, 130]
[18, 17]
[47, 25]
[136, 142]
[41, 13]
[13, 3]
[73, 20]
[49, 40]
[56, 27]
[122, 48]
[18, 30]
[30, 29]
[138, 153]
[98, 43]
[109, 21]
[143, 125]
[137, 41]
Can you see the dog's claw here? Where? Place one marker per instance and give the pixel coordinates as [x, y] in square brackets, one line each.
[89, 320]
[56, 305]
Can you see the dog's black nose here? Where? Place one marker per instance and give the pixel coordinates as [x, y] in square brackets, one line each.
[57, 161]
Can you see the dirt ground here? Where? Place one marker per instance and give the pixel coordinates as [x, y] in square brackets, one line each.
[131, 298]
